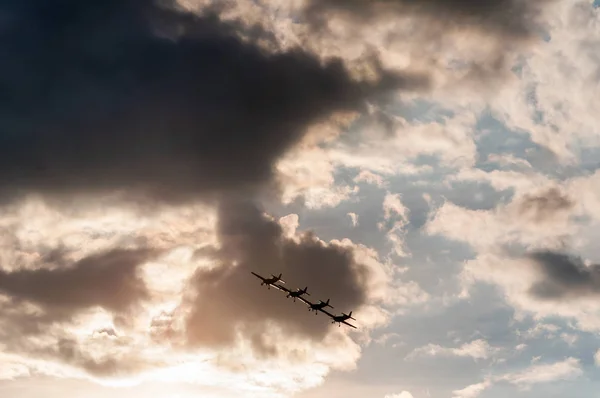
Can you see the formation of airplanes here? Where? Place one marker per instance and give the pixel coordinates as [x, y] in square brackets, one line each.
[276, 282]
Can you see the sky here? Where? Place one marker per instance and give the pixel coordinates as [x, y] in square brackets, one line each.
[430, 165]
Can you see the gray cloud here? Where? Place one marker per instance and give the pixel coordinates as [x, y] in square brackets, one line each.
[124, 95]
[228, 298]
[108, 280]
[510, 24]
[546, 205]
[70, 352]
[564, 277]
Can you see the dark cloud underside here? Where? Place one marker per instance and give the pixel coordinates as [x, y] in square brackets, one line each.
[229, 297]
[109, 280]
[564, 277]
[104, 95]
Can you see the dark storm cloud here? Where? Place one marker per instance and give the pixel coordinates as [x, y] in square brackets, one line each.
[104, 95]
[108, 280]
[230, 299]
[546, 205]
[564, 277]
[513, 19]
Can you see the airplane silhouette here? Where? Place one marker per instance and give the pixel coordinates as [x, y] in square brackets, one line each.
[298, 293]
[271, 281]
[341, 318]
[316, 307]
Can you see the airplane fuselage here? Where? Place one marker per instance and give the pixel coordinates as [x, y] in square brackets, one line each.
[316, 307]
[270, 281]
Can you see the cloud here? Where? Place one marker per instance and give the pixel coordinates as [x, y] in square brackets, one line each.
[564, 277]
[472, 391]
[353, 218]
[129, 329]
[537, 289]
[559, 117]
[41, 309]
[395, 216]
[228, 295]
[132, 97]
[512, 18]
[569, 338]
[545, 205]
[392, 205]
[370, 178]
[308, 173]
[403, 394]
[567, 369]
[458, 42]
[489, 230]
[542, 329]
[109, 280]
[386, 338]
[476, 349]
[544, 373]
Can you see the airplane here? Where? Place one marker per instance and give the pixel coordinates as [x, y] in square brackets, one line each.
[316, 307]
[341, 318]
[271, 281]
[297, 293]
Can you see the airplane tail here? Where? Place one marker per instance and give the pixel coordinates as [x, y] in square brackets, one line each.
[350, 315]
[306, 291]
[327, 304]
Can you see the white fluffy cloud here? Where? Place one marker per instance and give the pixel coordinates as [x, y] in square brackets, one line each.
[563, 370]
[403, 394]
[567, 369]
[395, 221]
[486, 230]
[476, 349]
[553, 100]
[471, 391]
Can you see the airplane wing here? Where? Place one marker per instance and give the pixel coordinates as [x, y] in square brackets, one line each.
[258, 276]
[305, 301]
[323, 310]
[346, 323]
[282, 288]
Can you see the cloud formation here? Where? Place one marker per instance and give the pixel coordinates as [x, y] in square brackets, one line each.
[43, 310]
[545, 205]
[229, 300]
[568, 369]
[132, 96]
[126, 331]
[476, 349]
[564, 277]
[108, 280]
[511, 18]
